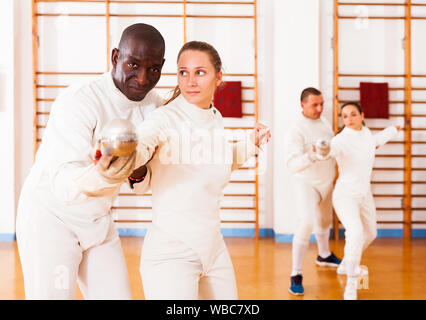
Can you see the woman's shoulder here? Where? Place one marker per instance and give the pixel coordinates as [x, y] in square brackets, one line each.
[339, 137]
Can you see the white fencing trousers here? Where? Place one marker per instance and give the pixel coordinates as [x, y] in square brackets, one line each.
[314, 214]
[54, 258]
[170, 270]
[358, 216]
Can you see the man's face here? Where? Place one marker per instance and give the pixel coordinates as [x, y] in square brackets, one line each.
[313, 106]
[137, 68]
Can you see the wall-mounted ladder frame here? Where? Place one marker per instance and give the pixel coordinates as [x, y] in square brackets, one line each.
[408, 115]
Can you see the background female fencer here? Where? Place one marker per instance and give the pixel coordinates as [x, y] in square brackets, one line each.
[65, 232]
[184, 255]
[312, 186]
[354, 150]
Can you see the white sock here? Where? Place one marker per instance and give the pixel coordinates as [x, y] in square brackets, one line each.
[322, 243]
[352, 281]
[298, 254]
[351, 289]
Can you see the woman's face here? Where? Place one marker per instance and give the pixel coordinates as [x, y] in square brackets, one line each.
[197, 77]
[352, 118]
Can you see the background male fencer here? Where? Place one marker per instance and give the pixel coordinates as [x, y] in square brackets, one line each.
[313, 185]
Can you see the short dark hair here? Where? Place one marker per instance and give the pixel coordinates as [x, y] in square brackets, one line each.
[143, 32]
[309, 91]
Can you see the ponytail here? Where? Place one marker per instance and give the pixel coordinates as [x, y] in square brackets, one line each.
[176, 93]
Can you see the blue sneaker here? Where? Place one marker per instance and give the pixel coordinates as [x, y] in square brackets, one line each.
[296, 287]
[330, 261]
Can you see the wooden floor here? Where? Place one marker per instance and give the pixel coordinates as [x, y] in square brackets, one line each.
[397, 270]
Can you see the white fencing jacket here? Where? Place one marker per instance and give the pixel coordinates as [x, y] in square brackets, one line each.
[189, 170]
[354, 151]
[63, 169]
[301, 161]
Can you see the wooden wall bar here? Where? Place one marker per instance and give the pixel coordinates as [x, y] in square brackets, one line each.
[408, 115]
[336, 95]
[408, 124]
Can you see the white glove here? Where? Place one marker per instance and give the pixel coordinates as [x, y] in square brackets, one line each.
[105, 176]
[321, 150]
[115, 169]
[312, 154]
[260, 135]
[322, 147]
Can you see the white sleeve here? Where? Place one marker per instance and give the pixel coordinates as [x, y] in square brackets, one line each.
[151, 133]
[385, 135]
[242, 151]
[337, 146]
[69, 135]
[296, 158]
[143, 186]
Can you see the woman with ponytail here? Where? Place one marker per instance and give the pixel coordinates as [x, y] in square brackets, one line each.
[184, 255]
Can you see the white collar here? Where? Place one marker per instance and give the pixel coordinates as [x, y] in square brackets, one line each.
[309, 120]
[195, 112]
[353, 131]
